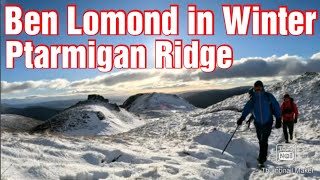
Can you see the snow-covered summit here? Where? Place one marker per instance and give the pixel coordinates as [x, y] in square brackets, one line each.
[156, 101]
[94, 116]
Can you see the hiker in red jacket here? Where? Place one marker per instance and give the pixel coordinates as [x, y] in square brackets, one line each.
[290, 115]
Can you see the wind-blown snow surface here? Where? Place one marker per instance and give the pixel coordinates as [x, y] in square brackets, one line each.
[51, 157]
[182, 146]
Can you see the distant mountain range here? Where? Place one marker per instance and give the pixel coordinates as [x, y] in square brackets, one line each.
[57, 104]
[12, 122]
[35, 112]
[203, 99]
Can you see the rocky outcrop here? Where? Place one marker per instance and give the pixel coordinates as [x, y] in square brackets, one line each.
[95, 97]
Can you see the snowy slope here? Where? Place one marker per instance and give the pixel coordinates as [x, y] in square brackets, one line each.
[14, 122]
[176, 147]
[91, 118]
[52, 157]
[158, 101]
[303, 89]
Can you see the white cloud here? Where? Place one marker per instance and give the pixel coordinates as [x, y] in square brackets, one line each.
[285, 65]
[12, 87]
[315, 56]
[243, 72]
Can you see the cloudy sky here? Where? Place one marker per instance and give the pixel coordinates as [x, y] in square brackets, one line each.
[266, 58]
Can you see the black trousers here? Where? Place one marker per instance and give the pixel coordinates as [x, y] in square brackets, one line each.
[263, 133]
[288, 125]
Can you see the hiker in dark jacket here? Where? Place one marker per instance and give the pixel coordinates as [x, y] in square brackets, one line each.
[263, 106]
[290, 115]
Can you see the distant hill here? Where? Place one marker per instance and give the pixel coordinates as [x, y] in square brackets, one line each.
[156, 101]
[12, 122]
[203, 99]
[58, 104]
[35, 112]
[156, 105]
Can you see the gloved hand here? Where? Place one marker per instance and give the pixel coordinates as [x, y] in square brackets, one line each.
[295, 120]
[278, 123]
[240, 120]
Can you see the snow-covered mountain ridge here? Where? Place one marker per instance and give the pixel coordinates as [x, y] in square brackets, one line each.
[95, 116]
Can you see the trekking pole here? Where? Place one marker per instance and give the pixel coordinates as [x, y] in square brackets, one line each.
[230, 139]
